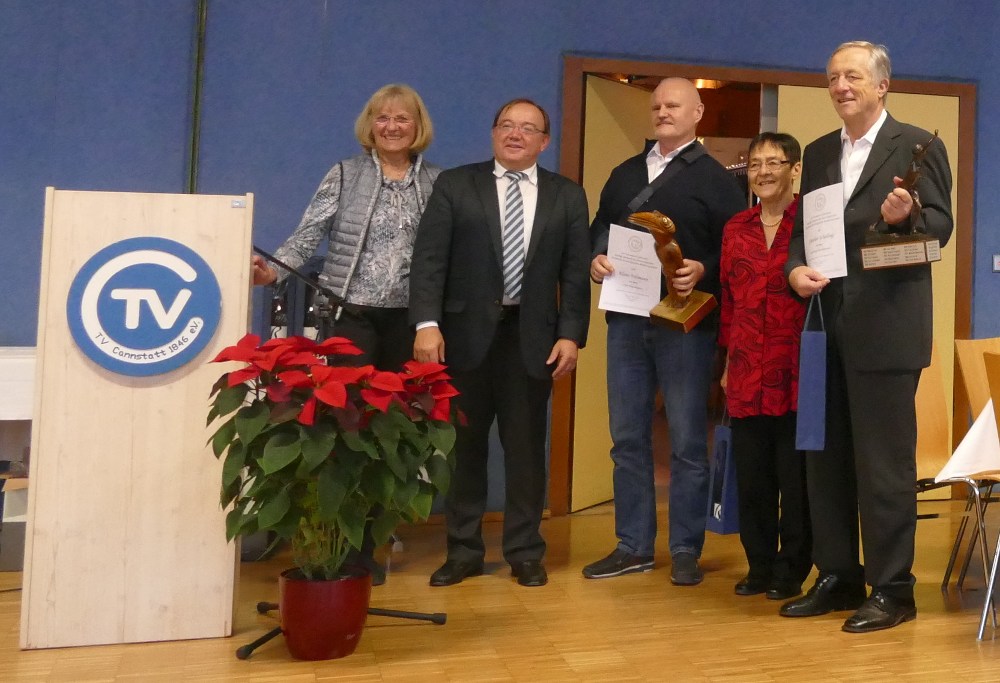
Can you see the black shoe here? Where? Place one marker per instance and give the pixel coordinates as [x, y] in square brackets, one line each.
[828, 594]
[453, 571]
[684, 570]
[782, 589]
[617, 563]
[880, 611]
[749, 585]
[529, 573]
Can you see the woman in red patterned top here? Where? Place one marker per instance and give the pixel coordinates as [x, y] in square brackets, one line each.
[761, 325]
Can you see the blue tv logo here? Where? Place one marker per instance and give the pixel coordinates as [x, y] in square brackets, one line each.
[144, 306]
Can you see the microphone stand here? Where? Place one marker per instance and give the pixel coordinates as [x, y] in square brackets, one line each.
[329, 312]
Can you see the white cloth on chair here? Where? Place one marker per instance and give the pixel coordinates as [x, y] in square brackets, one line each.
[978, 456]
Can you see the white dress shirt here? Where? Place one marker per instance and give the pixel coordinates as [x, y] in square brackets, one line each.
[853, 156]
[656, 162]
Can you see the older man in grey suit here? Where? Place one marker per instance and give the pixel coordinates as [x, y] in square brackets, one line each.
[879, 339]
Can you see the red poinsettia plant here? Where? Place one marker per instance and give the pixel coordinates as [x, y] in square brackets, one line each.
[315, 451]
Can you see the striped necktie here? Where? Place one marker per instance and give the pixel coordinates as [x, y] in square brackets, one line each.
[513, 235]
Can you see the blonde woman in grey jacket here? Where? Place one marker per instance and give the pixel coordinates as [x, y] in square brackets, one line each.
[368, 207]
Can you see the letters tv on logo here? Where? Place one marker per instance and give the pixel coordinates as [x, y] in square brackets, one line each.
[144, 306]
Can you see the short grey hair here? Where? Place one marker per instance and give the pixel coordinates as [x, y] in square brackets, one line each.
[879, 63]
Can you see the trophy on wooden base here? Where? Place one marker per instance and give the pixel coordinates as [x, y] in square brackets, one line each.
[886, 249]
[675, 310]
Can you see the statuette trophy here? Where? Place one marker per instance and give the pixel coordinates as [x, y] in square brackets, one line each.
[675, 310]
[886, 249]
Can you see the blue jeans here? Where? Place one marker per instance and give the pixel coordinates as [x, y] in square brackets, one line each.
[642, 355]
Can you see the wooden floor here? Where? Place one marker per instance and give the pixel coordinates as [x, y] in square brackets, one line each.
[632, 628]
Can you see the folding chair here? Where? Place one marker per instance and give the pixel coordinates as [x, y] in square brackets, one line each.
[973, 374]
[992, 364]
[934, 453]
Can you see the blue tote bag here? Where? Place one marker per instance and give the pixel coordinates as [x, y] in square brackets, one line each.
[810, 430]
[723, 499]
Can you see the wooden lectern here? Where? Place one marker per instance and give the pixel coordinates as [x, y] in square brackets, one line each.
[125, 537]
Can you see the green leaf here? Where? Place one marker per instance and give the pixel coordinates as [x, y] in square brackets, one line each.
[230, 398]
[384, 525]
[405, 492]
[317, 445]
[234, 519]
[230, 492]
[386, 432]
[442, 435]
[331, 490]
[356, 443]
[263, 488]
[413, 457]
[394, 461]
[353, 517]
[439, 472]
[237, 523]
[219, 385]
[273, 510]
[403, 423]
[351, 461]
[281, 449]
[421, 505]
[287, 526]
[378, 483]
[250, 420]
[234, 463]
[223, 436]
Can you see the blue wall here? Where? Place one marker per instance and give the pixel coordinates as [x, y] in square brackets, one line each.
[97, 95]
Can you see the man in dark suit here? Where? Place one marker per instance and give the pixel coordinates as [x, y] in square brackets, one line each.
[879, 339]
[499, 275]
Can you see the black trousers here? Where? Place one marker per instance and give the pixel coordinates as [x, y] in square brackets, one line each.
[867, 470]
[500, 388]
[774, 509]
[384, 336]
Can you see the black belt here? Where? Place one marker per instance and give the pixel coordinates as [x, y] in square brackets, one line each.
[509, 312]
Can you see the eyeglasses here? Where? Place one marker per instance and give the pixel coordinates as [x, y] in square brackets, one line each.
[508, 127]
[771, 165]
[401, 121]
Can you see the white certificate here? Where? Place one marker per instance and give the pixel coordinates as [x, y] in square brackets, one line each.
[823, 230]
[634, 287]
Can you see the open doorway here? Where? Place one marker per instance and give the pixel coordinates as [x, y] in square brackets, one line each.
[794, 102]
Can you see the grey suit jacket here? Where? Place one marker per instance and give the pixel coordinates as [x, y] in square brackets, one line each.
[881, 319]
[456, 277]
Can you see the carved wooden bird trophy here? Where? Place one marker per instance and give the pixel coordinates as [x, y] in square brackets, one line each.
[667, 249]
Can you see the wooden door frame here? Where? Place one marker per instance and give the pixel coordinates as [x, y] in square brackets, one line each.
[575, 71]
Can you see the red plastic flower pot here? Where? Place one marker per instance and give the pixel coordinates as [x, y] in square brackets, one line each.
[322, 619]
